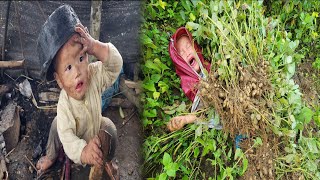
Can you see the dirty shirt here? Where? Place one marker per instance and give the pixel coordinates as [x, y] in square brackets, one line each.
[78, 121]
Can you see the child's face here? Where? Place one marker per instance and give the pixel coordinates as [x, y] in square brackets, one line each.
[72, 69]
[186, 50]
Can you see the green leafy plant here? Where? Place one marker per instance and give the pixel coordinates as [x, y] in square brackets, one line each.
[301, 19]
[316, 63]
[170, 167]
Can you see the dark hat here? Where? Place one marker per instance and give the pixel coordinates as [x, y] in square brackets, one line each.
[56, 31]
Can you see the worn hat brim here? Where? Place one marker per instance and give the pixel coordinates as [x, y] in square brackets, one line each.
[54, 33]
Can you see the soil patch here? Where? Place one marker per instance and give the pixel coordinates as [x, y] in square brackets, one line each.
[308, 80]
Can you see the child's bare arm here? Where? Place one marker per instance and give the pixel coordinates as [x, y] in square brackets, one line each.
[93, 47]
[178, 122]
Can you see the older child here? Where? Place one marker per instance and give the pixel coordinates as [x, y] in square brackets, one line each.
[64, 45]
[191, 67]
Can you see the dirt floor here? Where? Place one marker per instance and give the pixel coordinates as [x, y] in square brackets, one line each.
[35, 124]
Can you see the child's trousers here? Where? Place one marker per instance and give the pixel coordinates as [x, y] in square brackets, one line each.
[54, 143]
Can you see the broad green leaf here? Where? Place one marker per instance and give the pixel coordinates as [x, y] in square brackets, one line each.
[155, 77]
[238, 154]
[312, 166]
[289, 59]
[284, 101]
[229, 171]
[175, 166]
[151, 65]
[257, 142]
[181, 107]
[294, 98]
[192, 17]
[147, 41]
[183, 15]
[290, 133]
[221, 71]
[150, 113]
[293, 121]
[149, 86]
[291, 69]
[146, 122]
[289, 158]
[164, 87]
[312, 145]
[192, 26]
[196, 152]
[198, 131]
[151, 102]
[184, 169]
[305, 115]
[156, 95]
[185, 177]
[245, 165]
[205, 13]
[186, 4]
[171, 172]
[293, 44]
[166, 159]
[288, 149]
[163, 176]
[160, 64]
[220, 26]
[162, 4]
[229, 153]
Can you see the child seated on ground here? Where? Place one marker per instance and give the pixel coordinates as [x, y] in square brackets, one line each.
[64, 45]
[191, 67]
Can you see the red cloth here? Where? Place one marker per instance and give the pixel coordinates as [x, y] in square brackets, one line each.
[188, 77]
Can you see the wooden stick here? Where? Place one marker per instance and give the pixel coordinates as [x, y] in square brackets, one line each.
[31, 163]
[127, 120]
[11, 64]
[9, 152]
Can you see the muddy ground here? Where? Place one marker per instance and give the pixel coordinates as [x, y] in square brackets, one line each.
[35, 125]
[308, 80]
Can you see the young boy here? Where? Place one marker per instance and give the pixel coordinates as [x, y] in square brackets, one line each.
[63, 47]
[190, 67]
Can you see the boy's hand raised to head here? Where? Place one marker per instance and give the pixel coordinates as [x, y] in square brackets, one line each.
[85, 39]
[92, 154]
[93, 47]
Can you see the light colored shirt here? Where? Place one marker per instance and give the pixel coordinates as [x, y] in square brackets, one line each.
[78, 121]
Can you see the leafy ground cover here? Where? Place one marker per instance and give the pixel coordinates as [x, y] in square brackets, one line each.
[258, 52]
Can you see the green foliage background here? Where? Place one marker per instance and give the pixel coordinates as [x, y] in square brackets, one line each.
[180, 155]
